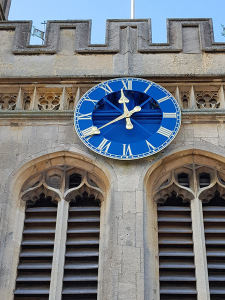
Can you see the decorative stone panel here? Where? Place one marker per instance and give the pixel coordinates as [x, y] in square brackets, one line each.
[8, 101]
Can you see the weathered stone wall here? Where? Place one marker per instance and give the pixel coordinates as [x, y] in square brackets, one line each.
[32, 136]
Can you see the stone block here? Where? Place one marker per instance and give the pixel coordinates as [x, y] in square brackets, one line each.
[131, 260]
[126, 230]
[128, 183]
[129, 202]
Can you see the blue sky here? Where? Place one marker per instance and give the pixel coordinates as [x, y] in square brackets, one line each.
[100, 10]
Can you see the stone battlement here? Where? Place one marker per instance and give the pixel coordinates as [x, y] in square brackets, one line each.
[128, 50]
[134, 36]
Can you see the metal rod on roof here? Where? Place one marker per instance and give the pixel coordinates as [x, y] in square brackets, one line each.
[132, 9]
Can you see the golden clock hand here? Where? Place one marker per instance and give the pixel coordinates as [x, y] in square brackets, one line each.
[131, 112]
[124, 100]
[95, 130]
[129, 125]
[126, 115]
[113, 121]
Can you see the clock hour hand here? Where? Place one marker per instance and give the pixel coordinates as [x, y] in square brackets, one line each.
[128, 113]
[129, 125]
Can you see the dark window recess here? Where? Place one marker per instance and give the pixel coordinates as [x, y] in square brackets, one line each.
[204, 180]
[35, 261]
[214, 226]
[75, 180]
[85, 200]
[173, 200]
[82, 250]
[183, 179]
[176, 256]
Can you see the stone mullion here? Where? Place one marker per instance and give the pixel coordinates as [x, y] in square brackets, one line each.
[200, 250]
[201, 270]
[59, 251]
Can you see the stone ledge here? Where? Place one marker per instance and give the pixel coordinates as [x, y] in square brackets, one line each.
[188, 116]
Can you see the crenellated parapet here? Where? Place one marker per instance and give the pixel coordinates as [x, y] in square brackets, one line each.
[122, 36]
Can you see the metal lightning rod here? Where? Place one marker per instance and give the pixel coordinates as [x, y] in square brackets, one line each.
[132, 9]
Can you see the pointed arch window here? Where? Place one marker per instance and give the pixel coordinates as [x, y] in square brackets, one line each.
[191, 226]
[60, 244]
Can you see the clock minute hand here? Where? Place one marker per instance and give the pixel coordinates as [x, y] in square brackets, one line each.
[94, 130]
[124, 115]
[113, 121]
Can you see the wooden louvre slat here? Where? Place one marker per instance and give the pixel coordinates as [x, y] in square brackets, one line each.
[34, 269]
[82, 249]
[214, 224]
[176, 256]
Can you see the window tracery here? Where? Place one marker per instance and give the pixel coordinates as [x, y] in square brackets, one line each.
[73, 233]
[8, 101]
[185, 99]
[201, 190]
[61, 183]
[49, 101]
[27, 101]
[71, 101]
[207, 99]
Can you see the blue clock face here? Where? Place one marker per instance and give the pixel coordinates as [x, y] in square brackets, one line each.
[127, 118]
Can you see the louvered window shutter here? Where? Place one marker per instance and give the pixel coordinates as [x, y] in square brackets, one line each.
[35, 264]
[214, 225]
[82, 250]
[176, 256]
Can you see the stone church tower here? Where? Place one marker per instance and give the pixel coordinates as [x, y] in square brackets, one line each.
[131, 204]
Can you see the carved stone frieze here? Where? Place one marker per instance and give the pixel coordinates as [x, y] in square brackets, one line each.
[207, 99]
[7, 101]
[49, 101]
[185, 99]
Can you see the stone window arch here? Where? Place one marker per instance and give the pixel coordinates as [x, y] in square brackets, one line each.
[60, 244]
[187, 221]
